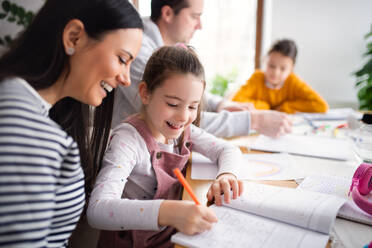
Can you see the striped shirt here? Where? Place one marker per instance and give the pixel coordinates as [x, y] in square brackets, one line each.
[41, 180]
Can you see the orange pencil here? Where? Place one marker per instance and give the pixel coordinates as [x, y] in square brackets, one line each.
[342, 125]
[186, 185]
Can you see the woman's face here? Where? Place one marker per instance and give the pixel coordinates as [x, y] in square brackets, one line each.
[102, 65]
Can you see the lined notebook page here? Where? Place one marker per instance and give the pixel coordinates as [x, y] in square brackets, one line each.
[268, 216]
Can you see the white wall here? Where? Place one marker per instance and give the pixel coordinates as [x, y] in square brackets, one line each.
[330, 38]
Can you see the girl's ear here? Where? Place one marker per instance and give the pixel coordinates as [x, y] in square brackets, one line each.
[143, 92]
[74, 36]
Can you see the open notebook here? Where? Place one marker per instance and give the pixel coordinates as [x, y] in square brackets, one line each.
[337, 186]
[268, 216]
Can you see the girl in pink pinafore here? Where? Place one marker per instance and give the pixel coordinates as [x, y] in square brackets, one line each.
[136, 198]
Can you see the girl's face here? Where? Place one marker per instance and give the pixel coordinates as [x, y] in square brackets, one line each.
[170, 108]
[102, 65]
[278, 68]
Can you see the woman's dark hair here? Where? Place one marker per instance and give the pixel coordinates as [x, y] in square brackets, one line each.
[172, 60]
[39, 57]
[286, 47]
[157, 5]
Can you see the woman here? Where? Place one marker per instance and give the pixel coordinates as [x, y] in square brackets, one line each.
[70, 58]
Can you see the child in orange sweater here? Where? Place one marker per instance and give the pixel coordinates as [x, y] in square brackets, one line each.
[277, 87]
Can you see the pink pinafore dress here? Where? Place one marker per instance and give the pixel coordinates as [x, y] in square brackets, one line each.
[168, 188]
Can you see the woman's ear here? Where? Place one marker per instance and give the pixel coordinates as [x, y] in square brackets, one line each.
[143, 92]
[73, 36]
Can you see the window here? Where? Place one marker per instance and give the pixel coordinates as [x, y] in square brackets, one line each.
[227, 39]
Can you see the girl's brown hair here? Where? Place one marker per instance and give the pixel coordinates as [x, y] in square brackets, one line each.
[286, 47]
[168, 61]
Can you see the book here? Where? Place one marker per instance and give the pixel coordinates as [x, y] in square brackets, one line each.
[269, 216]
[313, 146]
[280, 166]
[337, 186]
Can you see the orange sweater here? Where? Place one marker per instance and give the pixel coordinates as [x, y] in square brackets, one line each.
[294, 96]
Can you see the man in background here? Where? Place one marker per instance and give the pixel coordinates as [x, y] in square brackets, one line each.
[175, 21]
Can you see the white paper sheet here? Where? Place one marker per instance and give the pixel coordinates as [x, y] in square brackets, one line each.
[332, 114]
[255, 167]
[314, 146]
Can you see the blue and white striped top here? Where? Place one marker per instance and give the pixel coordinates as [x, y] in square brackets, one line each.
[41, 180]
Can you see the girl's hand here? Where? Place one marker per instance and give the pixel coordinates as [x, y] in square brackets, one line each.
[186, 216]
[222, 185]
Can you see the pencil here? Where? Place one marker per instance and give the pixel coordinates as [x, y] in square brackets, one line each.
[335, 132]
[186, 185]
[342, 125]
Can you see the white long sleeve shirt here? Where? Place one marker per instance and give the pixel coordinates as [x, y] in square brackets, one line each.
[124, 189]
[127, 101]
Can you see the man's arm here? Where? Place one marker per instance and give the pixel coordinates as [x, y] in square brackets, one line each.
[238, 123]
[226, 124]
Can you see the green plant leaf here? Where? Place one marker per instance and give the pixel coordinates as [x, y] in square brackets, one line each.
[365, 104]
[2, 42]
[365, 93]
[221, 83]
[11, 19]
[366, 69]
[364, 77]
[368, 53]
[368, 34]
[21, 12]
[6, 5]
[28, 17]
[369, 50]
[359, 82]
[369, 46]
[8, 39]
[13, 8]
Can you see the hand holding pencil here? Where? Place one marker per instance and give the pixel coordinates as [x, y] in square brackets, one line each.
[187, 217]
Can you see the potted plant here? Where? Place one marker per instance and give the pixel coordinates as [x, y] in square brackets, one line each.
[12, 12]
[364, 78]
[220, 83]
